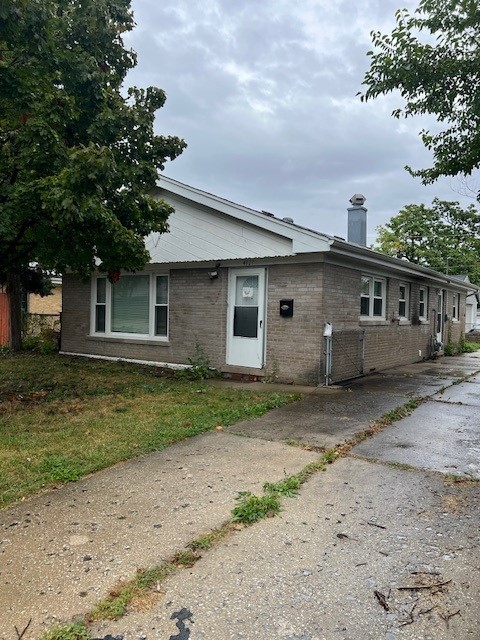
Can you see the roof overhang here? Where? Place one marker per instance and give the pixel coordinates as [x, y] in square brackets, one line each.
[307, 241]
[303, 240]
[402, 267]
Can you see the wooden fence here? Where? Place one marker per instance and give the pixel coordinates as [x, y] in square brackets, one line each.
[4, 319]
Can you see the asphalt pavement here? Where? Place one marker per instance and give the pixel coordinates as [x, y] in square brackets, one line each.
[382, 545]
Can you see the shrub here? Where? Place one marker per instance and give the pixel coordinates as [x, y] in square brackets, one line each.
[200, 366]
[41, 333]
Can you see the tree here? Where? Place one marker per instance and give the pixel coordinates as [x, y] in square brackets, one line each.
[439, 75]
[78, 157]
[443, 237]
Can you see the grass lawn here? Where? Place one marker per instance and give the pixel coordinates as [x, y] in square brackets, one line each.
[62, 418]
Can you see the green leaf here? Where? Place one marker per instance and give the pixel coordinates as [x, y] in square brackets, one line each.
[77, 158]
[441, 79]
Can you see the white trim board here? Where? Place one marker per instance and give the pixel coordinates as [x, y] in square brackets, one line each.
[152, 363]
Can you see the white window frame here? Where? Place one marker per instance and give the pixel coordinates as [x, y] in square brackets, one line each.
[371, 297]
[108, 333]
[456, 307]
[405, 300]
[424, 315]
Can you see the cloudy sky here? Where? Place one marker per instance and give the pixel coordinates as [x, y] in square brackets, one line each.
[264, 93]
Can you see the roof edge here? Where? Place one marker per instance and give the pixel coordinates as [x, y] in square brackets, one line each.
[347, 248]
[288, 229]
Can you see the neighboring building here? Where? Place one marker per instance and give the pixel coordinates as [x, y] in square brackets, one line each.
[50, 305]
[46, 310]
[257, 292]
[471, 305]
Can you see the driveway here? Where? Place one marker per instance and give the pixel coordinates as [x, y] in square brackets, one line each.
[375, 547]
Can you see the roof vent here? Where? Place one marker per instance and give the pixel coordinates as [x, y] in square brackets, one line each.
[289, 220]
[267, 213]
[357, 199]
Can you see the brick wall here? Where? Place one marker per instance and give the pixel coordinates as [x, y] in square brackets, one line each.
[198, 308]
[341, 299]
[197, 312]
[294, 344]
[389, 343]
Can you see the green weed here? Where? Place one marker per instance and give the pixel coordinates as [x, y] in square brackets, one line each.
[330, 456]
[288, 487]
[453, 478]
[185, 558]
[251, 508]
[310, 469]
[208, 540]
[116, 604]
[450, 349]
[113, 606]
[149, 578]
[470, 347]
[200, 366]
[400, 465]
[74, 631]
[400, 412]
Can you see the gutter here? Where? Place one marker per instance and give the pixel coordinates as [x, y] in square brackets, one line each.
[372, 257]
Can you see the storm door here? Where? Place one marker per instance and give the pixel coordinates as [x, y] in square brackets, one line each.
[246, 318]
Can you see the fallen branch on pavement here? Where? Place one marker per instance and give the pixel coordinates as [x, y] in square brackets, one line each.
[447, 617]
[20, 635]
[382, 600]
[414, 587]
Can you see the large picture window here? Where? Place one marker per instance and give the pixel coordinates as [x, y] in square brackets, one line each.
[372, 298]
[135, 306]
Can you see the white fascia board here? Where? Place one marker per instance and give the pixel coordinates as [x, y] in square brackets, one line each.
[380, 261]
[303, 240]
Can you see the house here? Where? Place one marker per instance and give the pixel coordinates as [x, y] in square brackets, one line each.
[50, 305]
[258, 293]
[471, 305]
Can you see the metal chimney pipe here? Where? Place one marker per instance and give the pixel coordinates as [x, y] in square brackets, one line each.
[357, 220]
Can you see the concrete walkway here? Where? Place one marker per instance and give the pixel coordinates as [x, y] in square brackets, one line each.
[309, 574]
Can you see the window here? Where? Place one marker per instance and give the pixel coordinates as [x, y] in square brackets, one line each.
[455, 306]
[372, 298]
[135, 306]
[161, 306]
[100, 306]
[423, 303]
[130, 305]
[403, 300]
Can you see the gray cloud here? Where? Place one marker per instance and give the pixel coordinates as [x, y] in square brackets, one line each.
[265, 96]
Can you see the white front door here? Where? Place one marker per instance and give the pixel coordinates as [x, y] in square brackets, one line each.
[246, 317]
